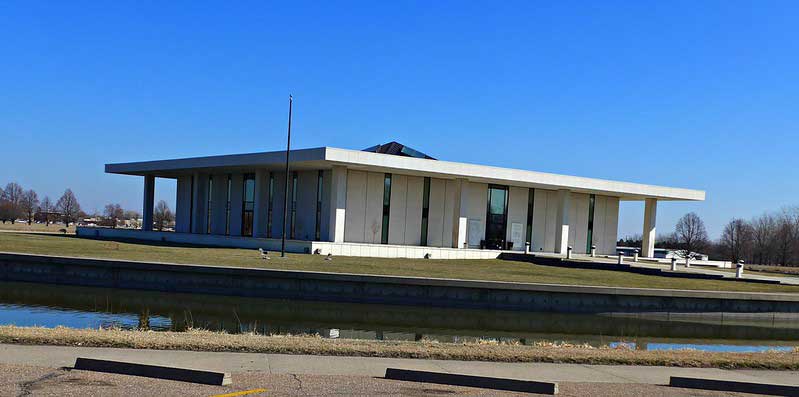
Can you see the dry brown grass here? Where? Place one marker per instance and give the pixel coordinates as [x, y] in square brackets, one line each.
[196, 340]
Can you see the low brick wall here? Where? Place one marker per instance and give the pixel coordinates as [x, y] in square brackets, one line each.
[381, 289]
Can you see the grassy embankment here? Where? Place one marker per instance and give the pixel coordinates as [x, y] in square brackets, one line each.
[496, 270]
[251, 343]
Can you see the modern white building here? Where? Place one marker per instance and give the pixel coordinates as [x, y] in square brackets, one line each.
[388, 200]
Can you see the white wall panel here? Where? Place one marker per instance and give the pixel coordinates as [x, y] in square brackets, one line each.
[327, 199]
[572, 218]
[476, 205]
[354, 225]
[413, 210]
[540, 221]
[611, 225]
[396, 220]
[305, 225]
[435, 222]
[449, 216]
[374, 207]
[236, 203]
[183, 204]
[219, 204]
[580, 223]
[552, 217]
[517, 213]
[599, 223]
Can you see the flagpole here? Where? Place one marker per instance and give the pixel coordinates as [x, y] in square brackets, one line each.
[286, 187]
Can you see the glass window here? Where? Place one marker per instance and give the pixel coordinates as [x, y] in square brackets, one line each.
[590, 240]
[248, 205]
[210, 204]
[425, 209]
[270, 205]
[293, 204]
[496, 217]
[191, 206]
[318, 227]
[530, 206]
[386, 208]
[227, 207]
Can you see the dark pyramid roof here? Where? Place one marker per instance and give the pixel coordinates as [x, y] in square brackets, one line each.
[397, 149]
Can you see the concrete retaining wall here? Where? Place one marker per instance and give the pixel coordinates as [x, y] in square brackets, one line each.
[380, 289]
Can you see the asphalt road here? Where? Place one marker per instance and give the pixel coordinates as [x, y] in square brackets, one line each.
[43, 371]
[24, 380]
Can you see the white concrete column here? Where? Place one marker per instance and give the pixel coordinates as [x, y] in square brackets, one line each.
[147, 207]
[562, 221]
[199, 215]
[261, 209]
[219, 204]
[650, 216]
[460, 220]
[338, 204]
[183, 205]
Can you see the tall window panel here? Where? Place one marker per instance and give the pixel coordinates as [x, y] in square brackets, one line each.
[227, 206]
[191, 207]
[270, 205]
[386, 208]
[496, 217]
[248, 206]
[590, 240]
[425, 209]
[210, 205]
[530, 206]
[318, 227]
[293, 232]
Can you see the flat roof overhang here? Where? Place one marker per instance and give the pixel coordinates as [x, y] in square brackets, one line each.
[326, 157]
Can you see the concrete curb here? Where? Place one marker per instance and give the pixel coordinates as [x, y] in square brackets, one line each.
[526, 386]
[154, 371]
[733, 386]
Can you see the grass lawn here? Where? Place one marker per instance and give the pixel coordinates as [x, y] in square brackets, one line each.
[493, 269]
[35, 227]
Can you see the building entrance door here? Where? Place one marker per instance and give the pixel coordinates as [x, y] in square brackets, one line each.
[496, 217]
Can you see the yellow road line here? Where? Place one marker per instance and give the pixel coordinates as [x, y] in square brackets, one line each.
[241, 393]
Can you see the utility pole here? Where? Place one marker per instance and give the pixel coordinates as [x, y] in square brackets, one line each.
[286, 189]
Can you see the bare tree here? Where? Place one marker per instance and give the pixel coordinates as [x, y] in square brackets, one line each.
[691, 234]
[113, 213]
[736, 240]
[46, 207]
[12, 200]
[68, 207]
[162, 215]
[786, 235]
[763, 234]
[29, 204]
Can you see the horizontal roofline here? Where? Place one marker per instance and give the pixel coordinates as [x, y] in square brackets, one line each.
[325, 157]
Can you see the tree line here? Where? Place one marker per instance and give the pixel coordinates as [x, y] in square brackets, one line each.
[17, 203]
[769, 239]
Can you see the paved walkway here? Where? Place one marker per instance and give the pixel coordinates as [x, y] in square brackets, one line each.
[279, 364]
[648, 263]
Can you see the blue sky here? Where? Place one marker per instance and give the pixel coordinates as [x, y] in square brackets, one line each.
[689, 94]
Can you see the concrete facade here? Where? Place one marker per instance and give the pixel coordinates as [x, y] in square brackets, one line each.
[340, 196]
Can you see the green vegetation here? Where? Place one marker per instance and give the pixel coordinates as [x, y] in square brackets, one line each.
[496, 270]
[196, 340]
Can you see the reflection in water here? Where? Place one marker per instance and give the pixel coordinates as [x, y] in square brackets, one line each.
[83, 307]
[703, 347]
